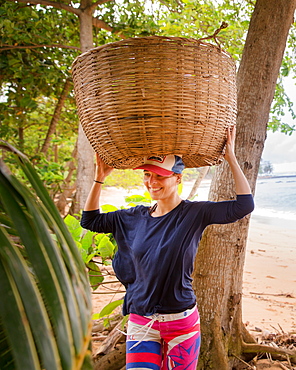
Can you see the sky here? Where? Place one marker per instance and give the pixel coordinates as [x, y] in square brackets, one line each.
[280, 149]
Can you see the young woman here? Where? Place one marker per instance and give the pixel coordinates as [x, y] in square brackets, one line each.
[156, 251]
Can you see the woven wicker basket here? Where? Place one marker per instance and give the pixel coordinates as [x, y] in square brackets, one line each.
[156, 95]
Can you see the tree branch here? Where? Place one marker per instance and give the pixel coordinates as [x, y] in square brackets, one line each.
[96, 22]
[101, 24]
[9, 47]
[54, 4]
[56, 115]
[261, 348]
[113, 360]
[99, 2]
[251, 2]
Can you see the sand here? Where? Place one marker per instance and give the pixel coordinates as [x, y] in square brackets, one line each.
[269, 280]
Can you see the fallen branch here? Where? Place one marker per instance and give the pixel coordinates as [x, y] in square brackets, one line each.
[110, 342]
[99, 338]
[244, 362]
[261, 348]
[287, 295]
[282, 366]
[112, 361]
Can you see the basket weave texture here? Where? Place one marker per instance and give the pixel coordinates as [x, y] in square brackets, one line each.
[156, 96]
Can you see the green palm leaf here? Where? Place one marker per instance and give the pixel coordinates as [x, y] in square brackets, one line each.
[16, 277]
[71, 254]
[49, 274]
[18, 330]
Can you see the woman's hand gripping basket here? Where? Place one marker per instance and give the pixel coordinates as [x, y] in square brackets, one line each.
[156, 95]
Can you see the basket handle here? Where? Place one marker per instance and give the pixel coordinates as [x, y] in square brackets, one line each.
[213, 36]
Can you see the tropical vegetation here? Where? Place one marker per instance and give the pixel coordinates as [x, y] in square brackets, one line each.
[45, 309]
[39, 41]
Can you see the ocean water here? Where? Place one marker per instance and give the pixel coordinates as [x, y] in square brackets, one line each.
[275, 201]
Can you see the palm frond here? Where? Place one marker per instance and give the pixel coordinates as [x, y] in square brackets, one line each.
[50, 276]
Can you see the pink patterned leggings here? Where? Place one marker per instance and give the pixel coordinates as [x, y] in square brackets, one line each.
[163, 341]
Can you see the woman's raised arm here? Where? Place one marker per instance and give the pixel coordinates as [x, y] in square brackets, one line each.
[102, 171]
[241, 183]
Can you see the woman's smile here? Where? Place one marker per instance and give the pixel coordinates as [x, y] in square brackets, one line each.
[154, 189]
[160, 187]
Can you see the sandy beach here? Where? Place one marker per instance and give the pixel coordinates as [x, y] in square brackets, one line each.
[269, 280]
[269, 288]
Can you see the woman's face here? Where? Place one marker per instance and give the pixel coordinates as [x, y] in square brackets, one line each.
[161, 187]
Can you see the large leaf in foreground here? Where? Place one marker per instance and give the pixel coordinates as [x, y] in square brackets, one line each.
[43, 272]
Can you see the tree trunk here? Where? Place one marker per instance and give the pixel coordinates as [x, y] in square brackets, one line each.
[220, 260]
[67, 190]
[21, 137]
[56, 116]
[85, 168]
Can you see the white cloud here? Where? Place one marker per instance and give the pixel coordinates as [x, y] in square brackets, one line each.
[280, 148]
[285, 168]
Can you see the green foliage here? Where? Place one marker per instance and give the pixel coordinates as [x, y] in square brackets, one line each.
[34, 77]
[190, 174]
[127, 179]
[89, 243]
[281, 107]
[30, 72]
[99, 249]
[108, 208]
[45, 320]
[276, 125]
[92, 245]
[108, 309]
[135, 200]
[51, 173]
[189, 18]
[39, 44]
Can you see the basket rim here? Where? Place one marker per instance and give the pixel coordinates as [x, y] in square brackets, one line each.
[152, 37]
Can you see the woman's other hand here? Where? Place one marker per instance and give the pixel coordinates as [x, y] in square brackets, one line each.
[241, 183]
[230, 144]
[102, 169]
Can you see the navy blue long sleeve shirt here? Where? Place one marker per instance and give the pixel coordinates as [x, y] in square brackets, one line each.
[156, 254]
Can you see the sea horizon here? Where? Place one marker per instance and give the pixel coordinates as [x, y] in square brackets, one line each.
[275, 199]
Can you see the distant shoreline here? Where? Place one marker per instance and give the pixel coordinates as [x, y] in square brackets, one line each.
[273, 176]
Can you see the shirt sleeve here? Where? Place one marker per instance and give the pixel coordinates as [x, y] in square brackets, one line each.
[97, 221]
[109, 222]
[229, 211]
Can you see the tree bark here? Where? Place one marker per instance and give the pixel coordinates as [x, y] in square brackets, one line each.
[113, 360]
[56, 116]
[66, 189]
[21, 135]
[220, 260]
[85, 168]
